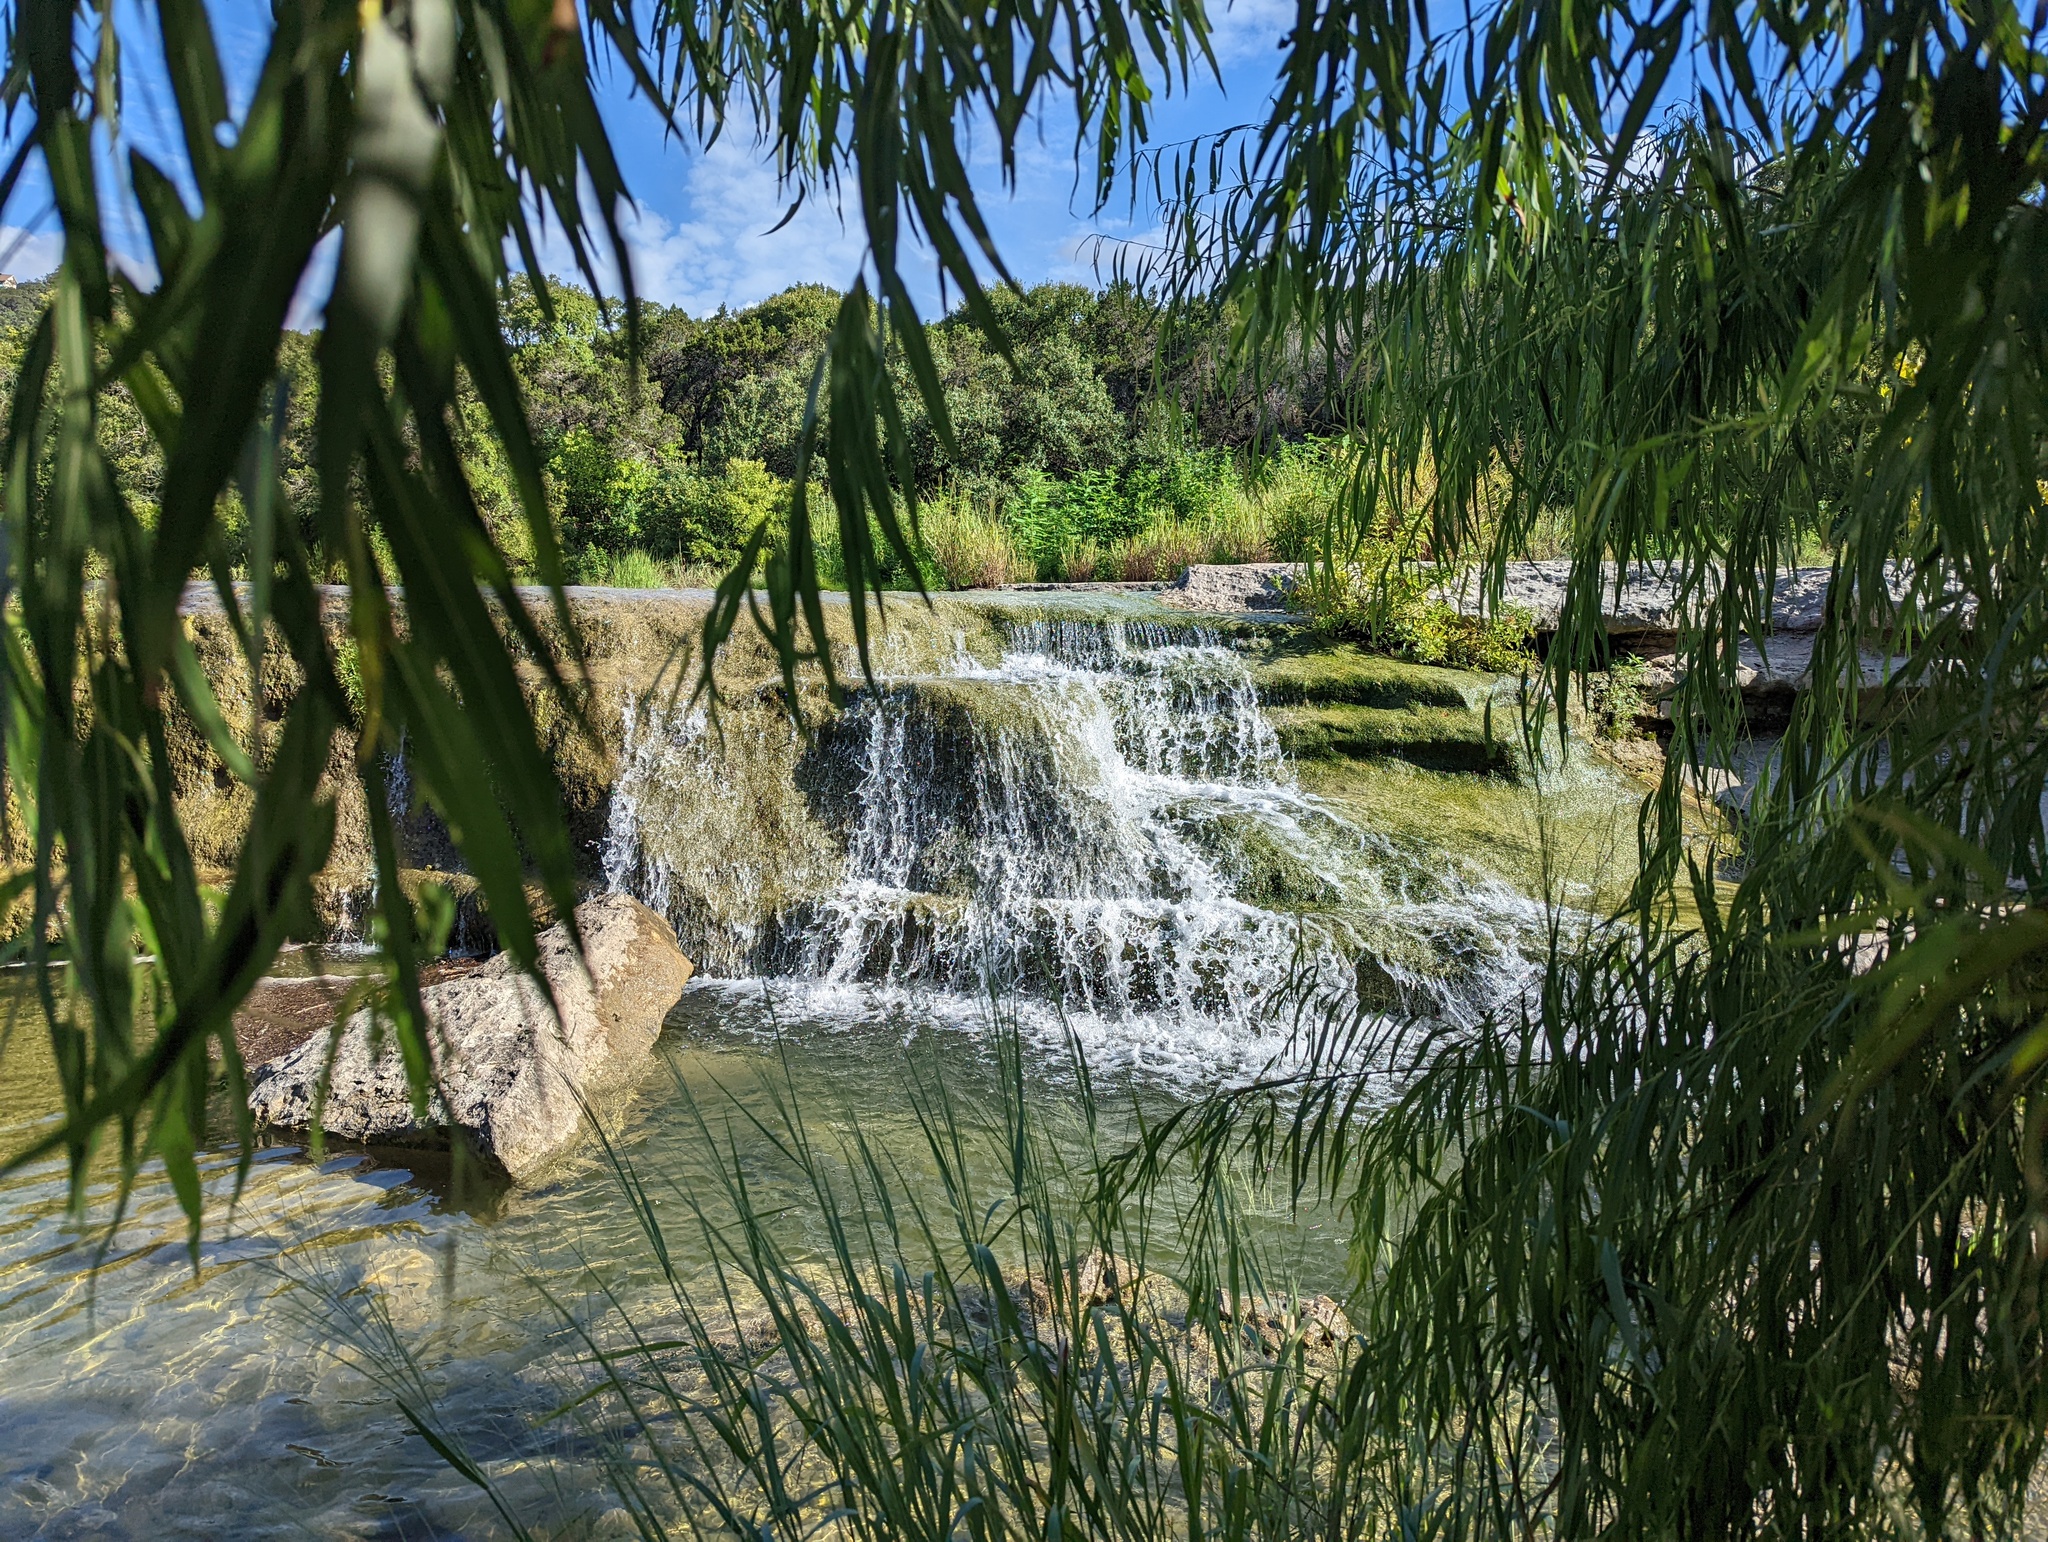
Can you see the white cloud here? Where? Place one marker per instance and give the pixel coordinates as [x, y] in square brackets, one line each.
[29, 253]
[723, 248]
[723, 252]
[1249, 31]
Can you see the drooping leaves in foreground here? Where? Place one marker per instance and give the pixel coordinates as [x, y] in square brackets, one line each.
[393, 127]
[1736, 1231]
[422, 143]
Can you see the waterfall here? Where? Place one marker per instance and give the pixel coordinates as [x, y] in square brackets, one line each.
[1101, 823]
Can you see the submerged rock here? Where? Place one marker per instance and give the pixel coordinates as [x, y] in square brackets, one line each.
[514, 1077]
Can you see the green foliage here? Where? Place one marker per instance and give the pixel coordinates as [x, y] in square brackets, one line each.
[1617, 698]
[434, 136]
[1048, 520]
[966, 546]
[1394, 611]
[1303, 486]
[1148, 523]
[700, 518]
[636, 452]
[712, 377]
[1735, 1236]
[631, 569]
[346, 125]
[599, 492]
[666, 507]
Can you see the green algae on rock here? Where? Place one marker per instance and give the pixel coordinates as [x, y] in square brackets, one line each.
[1293, 670]
[1431, 738]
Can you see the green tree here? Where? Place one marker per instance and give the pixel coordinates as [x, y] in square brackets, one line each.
[701, 374]
[1044, 409]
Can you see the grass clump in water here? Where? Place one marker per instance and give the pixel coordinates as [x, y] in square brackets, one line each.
[980, 1337]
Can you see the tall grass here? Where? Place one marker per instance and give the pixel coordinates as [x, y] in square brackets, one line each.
[1141, 527]
[1137, 527]
[1004, 1347]
[637, 569]
[967, 545]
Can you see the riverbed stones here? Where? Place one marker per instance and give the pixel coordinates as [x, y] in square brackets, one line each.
[515, 1072]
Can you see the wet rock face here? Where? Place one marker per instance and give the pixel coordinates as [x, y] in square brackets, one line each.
[514, 1074]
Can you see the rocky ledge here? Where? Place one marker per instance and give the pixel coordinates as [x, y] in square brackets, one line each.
[515, 1073]
[1643, 602]
[1234, 587]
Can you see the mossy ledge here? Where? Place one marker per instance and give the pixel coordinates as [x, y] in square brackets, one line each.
[1293, 670]
[1337, 701]
[1431, 738]
[1330, 704]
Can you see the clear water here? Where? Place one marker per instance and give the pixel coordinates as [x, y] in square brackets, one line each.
[1100, 822]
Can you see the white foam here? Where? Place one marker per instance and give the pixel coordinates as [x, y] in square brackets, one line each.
[1079, 845]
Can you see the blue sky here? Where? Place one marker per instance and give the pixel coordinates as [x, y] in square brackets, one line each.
[701, 234]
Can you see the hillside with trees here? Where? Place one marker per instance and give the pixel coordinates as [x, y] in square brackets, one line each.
[1100, 448]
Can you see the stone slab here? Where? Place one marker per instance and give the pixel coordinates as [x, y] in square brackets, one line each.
[514, 1072]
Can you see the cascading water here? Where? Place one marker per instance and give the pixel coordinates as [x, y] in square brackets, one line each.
[1100, 823]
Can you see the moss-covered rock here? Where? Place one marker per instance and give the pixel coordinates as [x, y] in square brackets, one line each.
[1568, 836]
[1263, 870]
[1294, 671]
[1434, 738]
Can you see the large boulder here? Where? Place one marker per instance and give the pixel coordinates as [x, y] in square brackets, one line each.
[514, 1076]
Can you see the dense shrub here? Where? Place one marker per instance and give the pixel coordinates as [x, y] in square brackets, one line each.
[599, 491]
[702, 517]
[669, 507]
[1391, 609]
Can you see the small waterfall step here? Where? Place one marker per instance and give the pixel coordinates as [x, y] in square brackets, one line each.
[1104, 820]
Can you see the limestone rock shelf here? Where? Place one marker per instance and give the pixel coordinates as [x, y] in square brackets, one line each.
[516, 1074]
[1644, 602]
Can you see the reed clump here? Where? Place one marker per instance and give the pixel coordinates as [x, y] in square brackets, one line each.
[1006, 1348]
